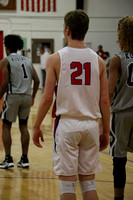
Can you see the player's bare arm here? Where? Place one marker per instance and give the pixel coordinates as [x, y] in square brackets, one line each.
[104, 99]
[47, 98]
[114, 73]
[104, 105]
[4, 68]
[35, 84]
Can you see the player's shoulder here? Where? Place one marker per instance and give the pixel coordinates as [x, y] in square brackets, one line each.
[115, 61]
[53, 57]
[3, 62]
[101, 62]
[53, 61]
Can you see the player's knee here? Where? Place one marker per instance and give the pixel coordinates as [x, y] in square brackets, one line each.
[67, 187]
[86, 177]
[119, 172]
[7, 123]
[67, 184]
[87, 186]
[23, 121]
[87, 182]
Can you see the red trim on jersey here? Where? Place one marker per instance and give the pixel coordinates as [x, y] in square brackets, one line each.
[54, 106]
[56, 123]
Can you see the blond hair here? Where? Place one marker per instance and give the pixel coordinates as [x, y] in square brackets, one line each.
[125, 34]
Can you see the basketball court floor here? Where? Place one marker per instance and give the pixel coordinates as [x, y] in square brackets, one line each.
[39, 182]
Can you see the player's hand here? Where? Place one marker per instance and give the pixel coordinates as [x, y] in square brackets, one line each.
[104, 141]
[37, 134]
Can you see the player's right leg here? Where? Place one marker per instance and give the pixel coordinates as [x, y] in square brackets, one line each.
[65, 156]
[8, 115]
[88, 188]
[7, 141]
[121, 128]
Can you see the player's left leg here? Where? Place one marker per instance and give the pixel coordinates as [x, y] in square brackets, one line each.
[88, 188]
[89, 148]
[119, 172]
[25, 138]
[23, 114]
[67, 187]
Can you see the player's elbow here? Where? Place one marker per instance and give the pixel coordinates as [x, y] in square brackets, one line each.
[47, 99]
[36, 80]
[104, 102]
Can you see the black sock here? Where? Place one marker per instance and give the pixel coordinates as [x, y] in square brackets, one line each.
[24, 156]
[8, 156]
[119, 198]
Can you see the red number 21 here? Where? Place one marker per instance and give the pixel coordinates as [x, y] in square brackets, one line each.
[78, 81]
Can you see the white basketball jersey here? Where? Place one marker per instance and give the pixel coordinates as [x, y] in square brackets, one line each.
[78, 90]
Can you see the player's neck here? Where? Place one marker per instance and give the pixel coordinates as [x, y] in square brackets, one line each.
[76, 44]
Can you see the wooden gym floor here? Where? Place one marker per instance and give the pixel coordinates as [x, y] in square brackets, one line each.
[39, 182]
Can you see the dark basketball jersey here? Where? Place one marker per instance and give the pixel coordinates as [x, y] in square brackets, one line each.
[123, 98]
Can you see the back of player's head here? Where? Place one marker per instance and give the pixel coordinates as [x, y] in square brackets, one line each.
[78, 22]
[13, 42]
[125, 34]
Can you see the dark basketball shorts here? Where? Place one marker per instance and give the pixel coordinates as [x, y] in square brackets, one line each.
[121, 134]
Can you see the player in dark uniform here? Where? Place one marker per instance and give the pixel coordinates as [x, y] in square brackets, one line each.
[18, 74]
[121, 100]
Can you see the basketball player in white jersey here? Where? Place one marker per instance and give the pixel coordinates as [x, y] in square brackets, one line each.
[121, 100]
[18, 74]
[82, 99]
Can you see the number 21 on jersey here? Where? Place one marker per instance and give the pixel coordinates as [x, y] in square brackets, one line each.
[80, 69]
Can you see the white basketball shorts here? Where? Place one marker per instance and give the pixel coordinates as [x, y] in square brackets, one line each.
[76, 147]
